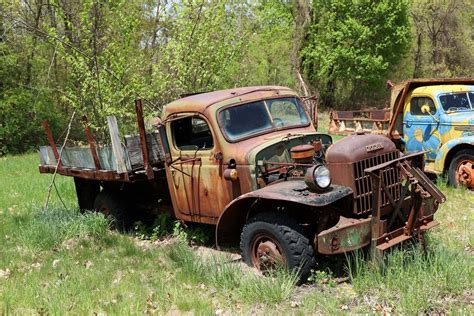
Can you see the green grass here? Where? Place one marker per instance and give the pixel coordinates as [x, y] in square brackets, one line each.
[60, 261]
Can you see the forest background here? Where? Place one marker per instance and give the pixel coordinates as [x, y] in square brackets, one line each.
[95, 57]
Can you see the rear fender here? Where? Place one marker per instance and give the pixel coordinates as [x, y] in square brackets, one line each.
[447, 151]
[291, 193]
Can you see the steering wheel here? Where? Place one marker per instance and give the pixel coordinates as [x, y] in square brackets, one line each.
[278, 122]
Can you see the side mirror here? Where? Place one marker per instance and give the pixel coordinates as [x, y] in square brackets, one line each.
[425, 109]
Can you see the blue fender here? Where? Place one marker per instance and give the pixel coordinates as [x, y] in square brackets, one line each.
[447, 147]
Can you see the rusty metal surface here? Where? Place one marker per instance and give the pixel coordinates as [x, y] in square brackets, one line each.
[292, 191]
[266, 252]
[358, 147]
[91, 141]
[295, 190]
[102, 175]
[347, 235]
[302, 153]
[51, 140]
[204, 194]
[409, 216]
[200, 102]
[367, 120]
[143, 139]
[348, 158]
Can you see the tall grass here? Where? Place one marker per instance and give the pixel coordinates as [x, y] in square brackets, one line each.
[48, 228]
[223, 274]
[414, 281]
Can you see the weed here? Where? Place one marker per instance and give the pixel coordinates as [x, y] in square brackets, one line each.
[322, 277]
[277, 286]
[165, 226]
[179, 231]
[442, 270]
[162, 226]
[140, 230]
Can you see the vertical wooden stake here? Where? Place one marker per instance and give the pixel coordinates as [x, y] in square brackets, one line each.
[116, 144]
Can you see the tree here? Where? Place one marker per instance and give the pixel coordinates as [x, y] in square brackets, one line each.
[445, 38]
[351, 45]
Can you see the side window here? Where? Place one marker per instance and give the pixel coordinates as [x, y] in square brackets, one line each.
[192, 133]
[418, 102]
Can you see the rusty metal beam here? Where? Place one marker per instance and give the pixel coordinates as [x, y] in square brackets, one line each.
[51, 141]
[91, 141]
[376, 205]
[143, 143]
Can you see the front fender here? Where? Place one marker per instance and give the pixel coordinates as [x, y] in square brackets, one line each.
[290, 192]
[447, 147]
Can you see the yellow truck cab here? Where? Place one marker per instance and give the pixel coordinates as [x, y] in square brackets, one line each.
[439, 119]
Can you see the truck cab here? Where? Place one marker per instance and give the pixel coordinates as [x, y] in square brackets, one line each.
[438, 118]
[234, 130]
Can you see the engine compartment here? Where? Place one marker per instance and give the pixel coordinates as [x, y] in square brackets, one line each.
[290, 157]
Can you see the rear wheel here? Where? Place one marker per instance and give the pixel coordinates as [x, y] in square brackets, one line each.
[112, 205]
[461, 169]
[270, 240]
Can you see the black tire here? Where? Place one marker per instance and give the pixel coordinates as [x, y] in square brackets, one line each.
[112, 205]
[462, 155]
[287, 233]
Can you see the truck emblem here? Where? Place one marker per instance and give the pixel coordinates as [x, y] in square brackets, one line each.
[373, 147]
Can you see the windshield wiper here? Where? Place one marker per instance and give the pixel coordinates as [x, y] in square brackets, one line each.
[287, 136]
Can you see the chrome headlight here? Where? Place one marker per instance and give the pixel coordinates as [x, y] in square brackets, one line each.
[318, 178]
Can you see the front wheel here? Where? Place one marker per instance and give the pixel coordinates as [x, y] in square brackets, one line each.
[270, 240]
[461, 169]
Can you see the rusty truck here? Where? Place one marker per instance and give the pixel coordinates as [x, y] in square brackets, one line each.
[250, 162]
[434, 115]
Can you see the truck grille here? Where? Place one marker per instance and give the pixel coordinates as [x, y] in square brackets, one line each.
[363, 182]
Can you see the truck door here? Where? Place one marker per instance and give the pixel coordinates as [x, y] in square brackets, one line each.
[194, 172]
[421, 129]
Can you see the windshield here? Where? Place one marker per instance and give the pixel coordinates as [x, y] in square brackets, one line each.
[459, 101]
[253, 118]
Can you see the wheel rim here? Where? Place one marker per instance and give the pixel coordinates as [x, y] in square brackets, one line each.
[465, 174]
[267, 252]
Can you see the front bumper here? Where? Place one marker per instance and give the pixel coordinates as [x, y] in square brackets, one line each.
[351, 234]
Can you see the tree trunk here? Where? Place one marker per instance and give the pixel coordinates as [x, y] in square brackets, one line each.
[29, 63]
[417, 69]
